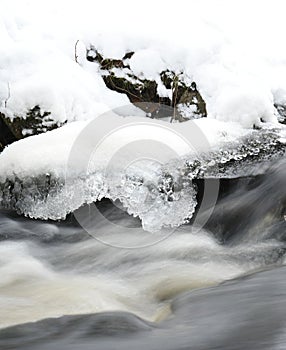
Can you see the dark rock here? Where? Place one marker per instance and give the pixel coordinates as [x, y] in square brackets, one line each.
[281, 109]
[35, 122]
[6, 135]
[143, 92]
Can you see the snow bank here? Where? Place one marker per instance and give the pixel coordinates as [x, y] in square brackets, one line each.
[233, 50]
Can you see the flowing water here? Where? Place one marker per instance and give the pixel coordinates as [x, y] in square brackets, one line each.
[194, 289]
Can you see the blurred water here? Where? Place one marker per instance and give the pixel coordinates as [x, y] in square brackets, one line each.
[55, 269]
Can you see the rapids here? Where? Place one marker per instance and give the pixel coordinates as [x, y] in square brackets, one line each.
[51, 269]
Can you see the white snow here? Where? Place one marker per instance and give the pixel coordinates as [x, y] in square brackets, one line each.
[234, 50]
[125, 162]
[88, 165]
[50, 152]
[147, 63]
[45, 153]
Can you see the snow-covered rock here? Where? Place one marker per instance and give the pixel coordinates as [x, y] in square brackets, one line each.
[145, 165]
[228, 64]
[43, 57]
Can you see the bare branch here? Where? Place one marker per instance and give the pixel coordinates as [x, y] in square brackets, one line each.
[174, 96]
[75, 52]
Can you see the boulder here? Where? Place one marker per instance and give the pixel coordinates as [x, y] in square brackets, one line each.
[35, 122]
[118, 76]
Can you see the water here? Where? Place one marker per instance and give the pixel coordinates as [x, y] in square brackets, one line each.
[218, 288]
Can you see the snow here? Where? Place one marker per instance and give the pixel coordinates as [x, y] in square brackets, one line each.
[108, 157]
[131, 159]
[147, 63]
[233, 50]
[45, 153]
[50, 152]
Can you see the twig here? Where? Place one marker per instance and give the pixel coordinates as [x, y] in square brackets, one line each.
[174, 97]
[75, 52]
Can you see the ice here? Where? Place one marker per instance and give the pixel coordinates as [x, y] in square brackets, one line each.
[235, 55]
[46, 185]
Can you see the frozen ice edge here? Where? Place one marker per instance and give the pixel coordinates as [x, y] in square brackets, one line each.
[167, 200]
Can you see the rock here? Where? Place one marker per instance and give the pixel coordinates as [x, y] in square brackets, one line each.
[192, 98]
[118, 76]
[281, 109]
[6, 136]
[35, 122]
